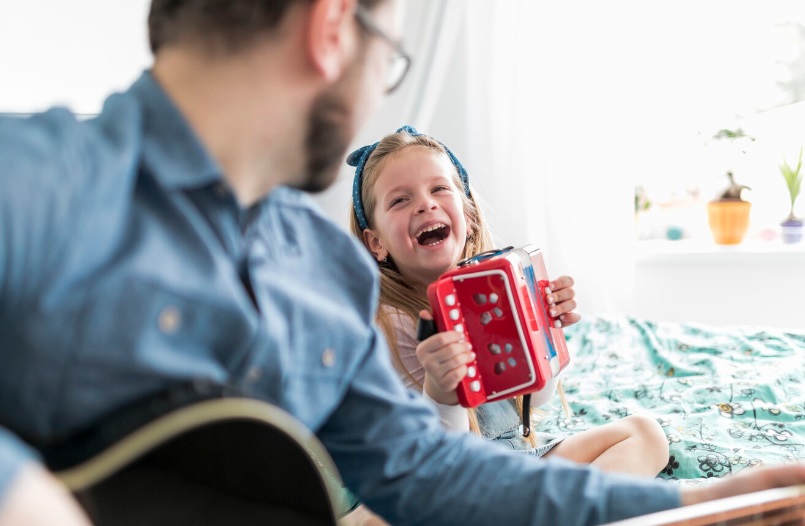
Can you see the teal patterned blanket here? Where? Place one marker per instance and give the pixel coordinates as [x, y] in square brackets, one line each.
[727, 398]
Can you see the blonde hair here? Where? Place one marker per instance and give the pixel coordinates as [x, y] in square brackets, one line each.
[395, 290]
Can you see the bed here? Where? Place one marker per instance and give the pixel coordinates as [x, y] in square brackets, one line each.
[727, 398]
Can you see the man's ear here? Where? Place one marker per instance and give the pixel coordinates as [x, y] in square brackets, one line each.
[375, 245]
[331, 36]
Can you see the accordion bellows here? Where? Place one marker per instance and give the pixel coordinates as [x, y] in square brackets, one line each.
[497, 299]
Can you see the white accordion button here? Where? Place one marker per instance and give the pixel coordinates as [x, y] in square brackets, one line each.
[454, 314]
[472, 372]
[450, 300]
[475, 386]
[458, 327]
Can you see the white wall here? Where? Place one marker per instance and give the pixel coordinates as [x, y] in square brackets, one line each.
[72, 53]
[749, 285]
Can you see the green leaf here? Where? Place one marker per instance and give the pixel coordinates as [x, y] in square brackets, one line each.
[793, 179]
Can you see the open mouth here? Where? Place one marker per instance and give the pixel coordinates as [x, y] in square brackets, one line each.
[432, 235]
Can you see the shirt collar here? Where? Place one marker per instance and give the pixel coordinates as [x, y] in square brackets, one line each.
[172, 152]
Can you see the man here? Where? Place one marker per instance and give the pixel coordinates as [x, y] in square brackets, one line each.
[164, 241]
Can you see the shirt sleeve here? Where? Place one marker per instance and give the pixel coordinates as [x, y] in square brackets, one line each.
[412, 372]
[13, 455]
[391, 450]
[452, 417]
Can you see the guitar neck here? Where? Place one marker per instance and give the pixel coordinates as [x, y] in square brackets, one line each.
[774, 507]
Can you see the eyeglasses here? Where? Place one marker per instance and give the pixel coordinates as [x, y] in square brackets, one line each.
[399, 63]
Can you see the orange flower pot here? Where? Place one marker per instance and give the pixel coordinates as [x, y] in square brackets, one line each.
[728, 220]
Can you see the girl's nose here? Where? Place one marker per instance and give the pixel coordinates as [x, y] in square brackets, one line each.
[426, 203]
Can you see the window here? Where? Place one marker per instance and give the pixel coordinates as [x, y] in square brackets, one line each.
[715, 66]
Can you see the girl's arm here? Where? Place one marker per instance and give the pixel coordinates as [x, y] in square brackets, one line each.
[452, 416]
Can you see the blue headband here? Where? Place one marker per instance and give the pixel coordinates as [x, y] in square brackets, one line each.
[358, 159]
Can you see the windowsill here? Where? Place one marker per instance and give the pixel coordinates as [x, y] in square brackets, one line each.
[701, 250]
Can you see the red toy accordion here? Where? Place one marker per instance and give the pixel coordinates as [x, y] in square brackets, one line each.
[497, 299]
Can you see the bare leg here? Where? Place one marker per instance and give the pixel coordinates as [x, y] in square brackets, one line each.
[635, 445]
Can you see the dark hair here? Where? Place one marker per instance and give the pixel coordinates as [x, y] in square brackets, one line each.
[217, 25]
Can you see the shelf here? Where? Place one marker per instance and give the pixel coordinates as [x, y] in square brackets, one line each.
[706, 251]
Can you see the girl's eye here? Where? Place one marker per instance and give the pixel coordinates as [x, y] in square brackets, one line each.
[395, 201]
[441, 188]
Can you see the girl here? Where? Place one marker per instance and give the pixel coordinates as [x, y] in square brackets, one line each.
[414, 210]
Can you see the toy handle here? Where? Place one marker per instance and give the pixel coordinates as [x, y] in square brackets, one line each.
[425, 329]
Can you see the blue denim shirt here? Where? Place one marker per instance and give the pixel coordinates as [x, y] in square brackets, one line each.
[122, 260]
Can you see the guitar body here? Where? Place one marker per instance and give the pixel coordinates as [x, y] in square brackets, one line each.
[219, 461]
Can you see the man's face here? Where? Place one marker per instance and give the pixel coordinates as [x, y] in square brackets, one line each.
[341, 109]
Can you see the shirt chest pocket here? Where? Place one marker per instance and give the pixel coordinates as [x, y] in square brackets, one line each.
[142, 324]
[321, 359]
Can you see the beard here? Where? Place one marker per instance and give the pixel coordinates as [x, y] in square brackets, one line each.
[328, 137]
[331, 129]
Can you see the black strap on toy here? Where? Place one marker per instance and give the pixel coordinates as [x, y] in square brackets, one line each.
[526, 414]
[425, 329]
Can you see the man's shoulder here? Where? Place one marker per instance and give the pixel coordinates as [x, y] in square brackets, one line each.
[37, 132]
[303, 242]
[308, 220]
[58, 138]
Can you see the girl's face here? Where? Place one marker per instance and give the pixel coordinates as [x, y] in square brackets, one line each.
[419, 215]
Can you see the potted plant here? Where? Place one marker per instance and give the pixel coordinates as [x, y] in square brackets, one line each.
[728, 215]
[792, 225]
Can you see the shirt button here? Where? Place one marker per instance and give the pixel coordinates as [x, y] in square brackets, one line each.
[328, 357]
[220, 190]
[169, 320]
[254, 373]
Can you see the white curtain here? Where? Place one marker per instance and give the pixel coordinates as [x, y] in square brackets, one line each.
[548, 133]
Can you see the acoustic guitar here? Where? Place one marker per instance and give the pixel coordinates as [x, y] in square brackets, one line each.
[199, 455]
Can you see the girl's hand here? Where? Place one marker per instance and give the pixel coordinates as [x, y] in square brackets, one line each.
[444, 356]
[559, 296]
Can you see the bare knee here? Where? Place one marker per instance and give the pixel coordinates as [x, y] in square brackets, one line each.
[651, 437]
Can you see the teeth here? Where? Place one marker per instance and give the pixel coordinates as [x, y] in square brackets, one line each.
[429, 229]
